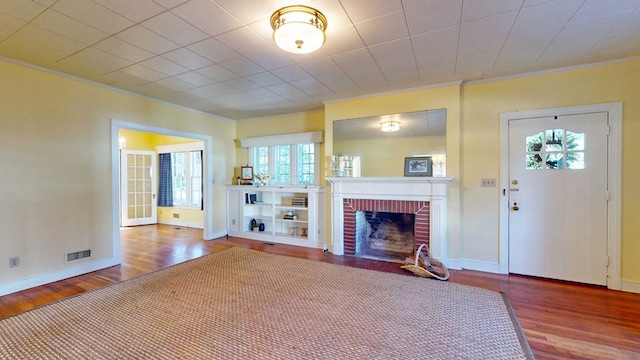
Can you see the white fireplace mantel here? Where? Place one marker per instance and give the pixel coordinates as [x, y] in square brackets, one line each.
[432, 189]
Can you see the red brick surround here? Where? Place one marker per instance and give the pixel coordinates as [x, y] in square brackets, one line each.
[419, 208]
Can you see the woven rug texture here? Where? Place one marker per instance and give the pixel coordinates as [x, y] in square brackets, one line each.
[247, 304]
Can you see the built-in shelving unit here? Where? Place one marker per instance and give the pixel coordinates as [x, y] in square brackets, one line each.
[289, 214]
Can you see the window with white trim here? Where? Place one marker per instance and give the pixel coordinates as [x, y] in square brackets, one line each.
[286, 159]
[186, 173]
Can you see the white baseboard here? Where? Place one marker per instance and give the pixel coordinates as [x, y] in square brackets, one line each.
[215, 235]
[181, 223]
[483, 266]
[453, 264]
[47, 278]
[631, 286]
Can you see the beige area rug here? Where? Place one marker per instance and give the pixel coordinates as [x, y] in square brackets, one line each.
[247, 304]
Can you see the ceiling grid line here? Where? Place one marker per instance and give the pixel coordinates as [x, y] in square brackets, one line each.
[556, 36]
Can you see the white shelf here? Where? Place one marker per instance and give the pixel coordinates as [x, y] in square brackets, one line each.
[276, 202]
[289, 207]
[292, 221]
[259, 205]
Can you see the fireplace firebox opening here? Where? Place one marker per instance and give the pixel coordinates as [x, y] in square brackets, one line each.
[385, 235]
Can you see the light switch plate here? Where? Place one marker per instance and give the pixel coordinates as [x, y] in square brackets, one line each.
[488, 182]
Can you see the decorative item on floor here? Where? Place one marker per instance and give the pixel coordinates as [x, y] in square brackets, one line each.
[426, 266]
[418, 166]
[299, 29]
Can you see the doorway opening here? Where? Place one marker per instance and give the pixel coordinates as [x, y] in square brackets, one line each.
[207, 175]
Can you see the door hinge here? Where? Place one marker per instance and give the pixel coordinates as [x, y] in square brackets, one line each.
[608, 260]
[608, 130]
[608, 194]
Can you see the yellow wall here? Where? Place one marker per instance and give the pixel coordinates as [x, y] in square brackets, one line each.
[138, 140]
[482, 105]
[378, 161]
[55, 141]
[476, 137]
[186, 217]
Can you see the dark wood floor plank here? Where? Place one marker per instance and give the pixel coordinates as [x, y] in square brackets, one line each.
[561, 320]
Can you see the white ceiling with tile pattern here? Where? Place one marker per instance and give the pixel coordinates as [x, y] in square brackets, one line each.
[217, 56]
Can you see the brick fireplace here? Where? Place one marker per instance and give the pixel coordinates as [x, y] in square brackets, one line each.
[425, 197]
[420, 209]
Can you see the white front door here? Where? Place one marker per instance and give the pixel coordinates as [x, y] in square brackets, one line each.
[138, 187]
[558, 197]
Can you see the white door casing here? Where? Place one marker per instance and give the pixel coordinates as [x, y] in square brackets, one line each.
[558, 197]
[613, 179]
[138, 187]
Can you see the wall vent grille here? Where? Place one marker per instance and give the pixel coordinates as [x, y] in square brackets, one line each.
[78, 255]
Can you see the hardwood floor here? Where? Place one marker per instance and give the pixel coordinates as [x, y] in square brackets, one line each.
[561, 320]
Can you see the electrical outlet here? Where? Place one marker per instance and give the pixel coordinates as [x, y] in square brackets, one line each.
[14, 262]
[233, 221]
[488, 182]
[176, 216]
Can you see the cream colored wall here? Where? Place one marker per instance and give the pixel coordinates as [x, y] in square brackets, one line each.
[277, 125]
[137, 140]
[55, 141]
[482, 105]
[377, 160]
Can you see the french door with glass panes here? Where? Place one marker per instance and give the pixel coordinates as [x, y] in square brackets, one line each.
[138, 187]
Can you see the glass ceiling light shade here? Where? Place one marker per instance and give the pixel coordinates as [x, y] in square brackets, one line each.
[390, 126]
[299, 29]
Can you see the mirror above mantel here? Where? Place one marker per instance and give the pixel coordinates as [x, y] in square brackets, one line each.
[382, 153]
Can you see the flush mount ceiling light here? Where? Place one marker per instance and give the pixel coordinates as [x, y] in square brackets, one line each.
[390, 126]
[299, 29]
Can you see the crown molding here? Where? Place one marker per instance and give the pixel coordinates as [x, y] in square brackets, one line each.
[393, 92]
[552, 71]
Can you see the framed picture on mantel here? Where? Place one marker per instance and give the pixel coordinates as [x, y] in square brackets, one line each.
[418, 166]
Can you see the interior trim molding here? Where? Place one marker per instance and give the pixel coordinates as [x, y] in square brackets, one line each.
[285, 139]
[209, 180]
